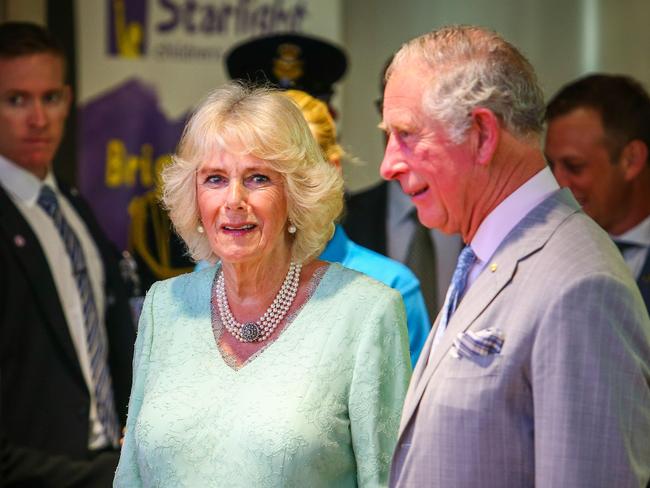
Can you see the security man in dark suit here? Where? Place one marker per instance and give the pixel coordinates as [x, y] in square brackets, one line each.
[66, 332]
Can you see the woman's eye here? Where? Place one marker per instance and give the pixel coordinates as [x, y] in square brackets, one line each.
[259, 179]
[214, 179]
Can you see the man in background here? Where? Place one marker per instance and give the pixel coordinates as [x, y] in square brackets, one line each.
[66, 334]
[382, 218]
[597, 145]
[537, 370]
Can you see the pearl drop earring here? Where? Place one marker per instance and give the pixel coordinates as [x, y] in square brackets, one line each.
[200, 229]
[292, 228]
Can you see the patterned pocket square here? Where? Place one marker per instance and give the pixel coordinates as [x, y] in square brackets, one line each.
[477, 343]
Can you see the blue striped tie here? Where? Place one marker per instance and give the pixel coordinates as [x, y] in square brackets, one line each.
[95, 341]
[456, 288]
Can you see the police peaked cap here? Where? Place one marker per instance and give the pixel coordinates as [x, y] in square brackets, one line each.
[289, 61]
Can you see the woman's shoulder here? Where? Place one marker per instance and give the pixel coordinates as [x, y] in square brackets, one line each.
[358, 304]
[186, 285]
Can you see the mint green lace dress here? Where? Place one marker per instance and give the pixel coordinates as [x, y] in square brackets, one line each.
[319, 407]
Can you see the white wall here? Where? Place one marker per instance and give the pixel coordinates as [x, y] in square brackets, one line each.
[562, 38]
[23, 10]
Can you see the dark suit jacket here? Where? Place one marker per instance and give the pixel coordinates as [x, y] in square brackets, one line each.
[366, 218]
[44, 398]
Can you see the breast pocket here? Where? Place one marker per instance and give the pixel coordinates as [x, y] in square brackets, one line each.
[472, 366]
[475, 353]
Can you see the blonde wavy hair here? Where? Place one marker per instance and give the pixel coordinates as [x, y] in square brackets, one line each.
[265, 124]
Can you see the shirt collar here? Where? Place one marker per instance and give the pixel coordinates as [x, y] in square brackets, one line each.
[496, 226]
[639, 234]
[21, 184]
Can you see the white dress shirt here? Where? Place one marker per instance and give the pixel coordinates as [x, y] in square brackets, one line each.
[23, 188]
[496, 226]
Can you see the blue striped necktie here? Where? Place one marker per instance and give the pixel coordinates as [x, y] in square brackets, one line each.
[458, 283]
[95, 340]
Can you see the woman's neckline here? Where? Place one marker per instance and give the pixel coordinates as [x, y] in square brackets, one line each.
[218, 329]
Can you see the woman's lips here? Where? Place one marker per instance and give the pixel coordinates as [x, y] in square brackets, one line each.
[237, 229]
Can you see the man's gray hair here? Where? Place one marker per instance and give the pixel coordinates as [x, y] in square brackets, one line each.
[475, 67]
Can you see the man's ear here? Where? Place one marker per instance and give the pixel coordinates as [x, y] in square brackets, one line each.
[633, 159]
[486, 133]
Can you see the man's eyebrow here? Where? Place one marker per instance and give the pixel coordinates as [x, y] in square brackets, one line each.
[15, 91]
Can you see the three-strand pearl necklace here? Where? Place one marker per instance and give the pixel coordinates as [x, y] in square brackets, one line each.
[261, 329]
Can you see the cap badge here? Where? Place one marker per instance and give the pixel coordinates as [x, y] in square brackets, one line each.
[287, 67]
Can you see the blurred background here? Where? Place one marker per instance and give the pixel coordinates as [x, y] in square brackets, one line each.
[138, 67]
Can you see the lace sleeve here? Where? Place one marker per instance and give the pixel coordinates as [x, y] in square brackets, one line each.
[128, 473]
[380, 378]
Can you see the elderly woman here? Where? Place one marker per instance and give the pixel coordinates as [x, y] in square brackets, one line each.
[340, 249]
[272, 368]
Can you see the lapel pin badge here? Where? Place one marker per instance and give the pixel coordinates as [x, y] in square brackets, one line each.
[19, 240]
[493, 267]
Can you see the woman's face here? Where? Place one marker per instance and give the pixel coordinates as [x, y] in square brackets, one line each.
[243, 208]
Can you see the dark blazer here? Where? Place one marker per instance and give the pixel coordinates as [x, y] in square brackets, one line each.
[44, 399]
[366, 220]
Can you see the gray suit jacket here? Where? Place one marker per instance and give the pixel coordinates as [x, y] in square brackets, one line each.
[566, 403]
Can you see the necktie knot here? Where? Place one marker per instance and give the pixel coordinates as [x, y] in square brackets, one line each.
[47, 200]
[459, 279]
[465, 261]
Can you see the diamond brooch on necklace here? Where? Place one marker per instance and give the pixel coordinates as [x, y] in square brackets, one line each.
[261, 329]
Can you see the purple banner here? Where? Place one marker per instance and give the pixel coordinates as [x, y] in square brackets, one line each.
[125, 140]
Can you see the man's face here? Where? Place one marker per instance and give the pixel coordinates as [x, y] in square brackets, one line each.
[577, 151]
[435, 172]
[34, 104]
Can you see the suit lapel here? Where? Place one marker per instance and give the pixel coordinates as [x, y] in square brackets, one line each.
[29, 254]
[528, 237]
